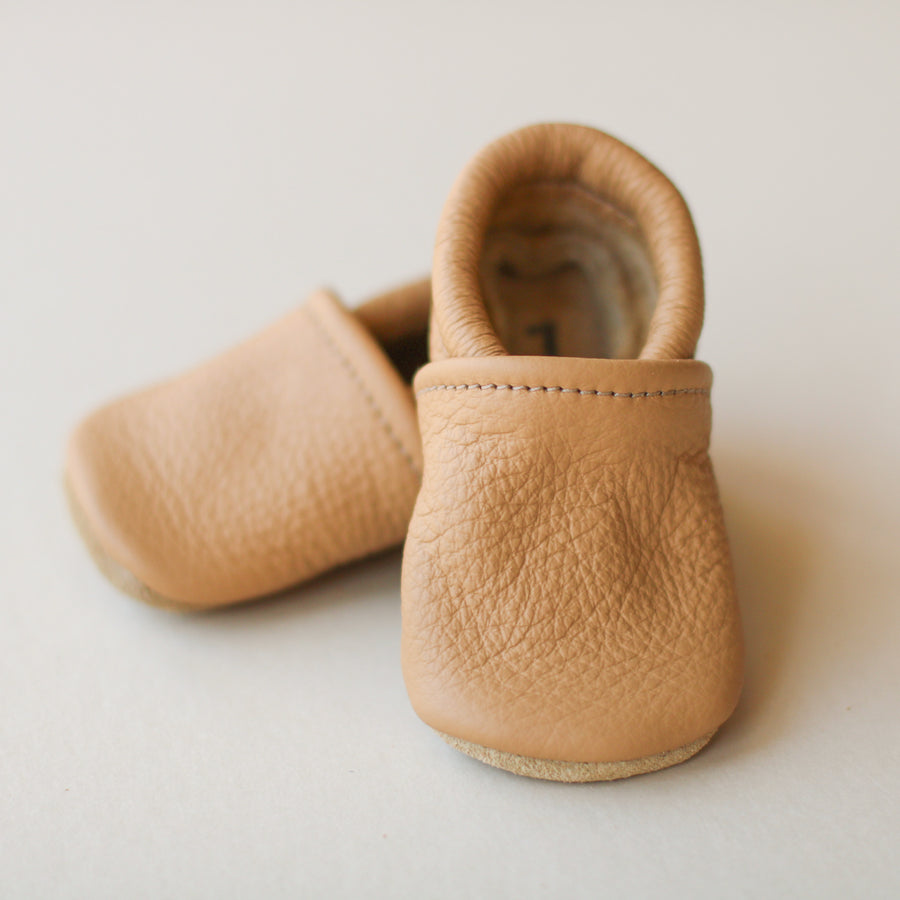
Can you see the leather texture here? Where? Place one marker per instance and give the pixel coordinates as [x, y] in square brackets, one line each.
[575, 156]
[291, 454]
[567, 585]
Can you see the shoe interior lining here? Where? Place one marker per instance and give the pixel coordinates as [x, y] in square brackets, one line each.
[564, 273]
[398, 320]
[408, 352]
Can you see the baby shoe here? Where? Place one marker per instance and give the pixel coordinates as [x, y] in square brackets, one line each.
[569, 607]
[291, 454]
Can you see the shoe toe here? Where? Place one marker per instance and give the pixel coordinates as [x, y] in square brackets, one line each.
[118, 493]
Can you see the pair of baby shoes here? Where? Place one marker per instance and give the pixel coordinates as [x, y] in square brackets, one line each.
[533, 424]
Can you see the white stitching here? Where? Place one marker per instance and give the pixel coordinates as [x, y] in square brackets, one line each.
[556, 389]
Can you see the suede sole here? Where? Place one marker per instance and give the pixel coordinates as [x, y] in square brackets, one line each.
[117, 574]
[575, 772]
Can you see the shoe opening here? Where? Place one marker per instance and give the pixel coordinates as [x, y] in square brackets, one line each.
[565, 273]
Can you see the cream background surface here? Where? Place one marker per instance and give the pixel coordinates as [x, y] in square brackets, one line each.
[173, 176]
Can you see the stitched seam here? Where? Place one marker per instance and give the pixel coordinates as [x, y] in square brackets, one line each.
[367, 395]
[556, 389]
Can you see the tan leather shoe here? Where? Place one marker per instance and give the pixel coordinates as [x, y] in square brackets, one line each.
[291, 454]
[568, 600]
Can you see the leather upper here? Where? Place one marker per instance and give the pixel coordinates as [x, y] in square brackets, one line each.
[567, 585]
[290, 454]
[589, 159]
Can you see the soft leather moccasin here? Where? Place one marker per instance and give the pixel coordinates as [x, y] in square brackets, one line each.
[568, 600]
[284, 457]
